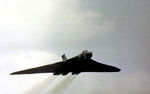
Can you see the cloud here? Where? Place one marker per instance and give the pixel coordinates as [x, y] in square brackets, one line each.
[41, 86]
[61, 85]
[30, 31]
[114, 83]
[49, 24]
[11, 62]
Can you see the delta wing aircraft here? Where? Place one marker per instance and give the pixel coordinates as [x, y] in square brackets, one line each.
[75, 65]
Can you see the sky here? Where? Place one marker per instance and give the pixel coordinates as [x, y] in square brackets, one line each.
[38, 32]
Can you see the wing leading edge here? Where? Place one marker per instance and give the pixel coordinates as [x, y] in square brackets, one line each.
[43, 69]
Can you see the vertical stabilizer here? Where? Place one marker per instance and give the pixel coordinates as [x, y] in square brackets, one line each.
[64, 58]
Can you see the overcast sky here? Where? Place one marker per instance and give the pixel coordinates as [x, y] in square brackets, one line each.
[38, 32]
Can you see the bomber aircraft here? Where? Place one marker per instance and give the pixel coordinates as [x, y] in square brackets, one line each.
[75, 65]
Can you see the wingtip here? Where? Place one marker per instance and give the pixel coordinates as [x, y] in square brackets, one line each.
[12, 73]
[118, 70]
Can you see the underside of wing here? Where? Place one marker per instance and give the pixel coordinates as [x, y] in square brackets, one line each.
[43, 69]
[93, 66]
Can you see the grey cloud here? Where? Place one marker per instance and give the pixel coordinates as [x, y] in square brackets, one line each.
[117, 32]
[111, 83]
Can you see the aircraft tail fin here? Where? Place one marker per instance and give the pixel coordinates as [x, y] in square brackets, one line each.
[64, 57]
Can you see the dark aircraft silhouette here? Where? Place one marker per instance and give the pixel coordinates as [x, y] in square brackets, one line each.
[76, 65]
